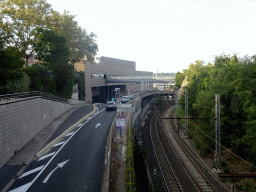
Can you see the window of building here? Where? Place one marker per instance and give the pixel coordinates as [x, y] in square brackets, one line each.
[97, 76]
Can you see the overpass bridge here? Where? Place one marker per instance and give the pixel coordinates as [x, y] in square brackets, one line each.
[139, 79]
[125, 84]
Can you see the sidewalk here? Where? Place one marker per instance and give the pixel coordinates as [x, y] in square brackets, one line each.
[17, 164]
[118, 155]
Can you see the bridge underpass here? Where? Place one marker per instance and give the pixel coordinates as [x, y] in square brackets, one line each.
[103, 94]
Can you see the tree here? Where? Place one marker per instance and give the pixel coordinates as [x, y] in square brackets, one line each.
[80, 43]
[10, 60]
[179, 77]
[52, 49]
[20, 18]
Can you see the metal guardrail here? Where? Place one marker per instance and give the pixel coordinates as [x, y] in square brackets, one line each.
[147, 93]
[9, 98]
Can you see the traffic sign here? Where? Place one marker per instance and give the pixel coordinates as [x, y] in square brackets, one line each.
[126, 110]
[120, 122]
[126, 106]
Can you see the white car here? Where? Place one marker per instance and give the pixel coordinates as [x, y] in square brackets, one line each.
[131, 96]
[125, 99]
[111, 105]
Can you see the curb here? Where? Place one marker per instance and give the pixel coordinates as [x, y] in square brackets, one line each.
[47, 147]
[24, 167]
[107, 160]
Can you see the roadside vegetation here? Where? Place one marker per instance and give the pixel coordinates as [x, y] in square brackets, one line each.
[32, 28]
[234, 80]
[130, 169]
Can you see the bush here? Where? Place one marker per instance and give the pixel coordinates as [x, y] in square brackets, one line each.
[17, 82]
[130, 172]
[41, 79]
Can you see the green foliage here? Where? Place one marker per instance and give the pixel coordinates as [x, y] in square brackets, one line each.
[80, 80]
[21, 17]
[10, 60]
[16, 83]
[234, 79]
[52, 49]
[130, 171]
[64, 76]
[41, 79]
[244, 185]
[179, 77]
[31, 26]
[80, 43]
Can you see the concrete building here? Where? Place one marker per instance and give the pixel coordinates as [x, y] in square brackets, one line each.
[99, 83]
[162, 86]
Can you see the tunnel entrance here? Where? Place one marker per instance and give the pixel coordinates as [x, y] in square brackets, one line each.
[103, 94]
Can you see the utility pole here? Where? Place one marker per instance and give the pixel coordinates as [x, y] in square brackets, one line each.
[186, 112]
[217, 133]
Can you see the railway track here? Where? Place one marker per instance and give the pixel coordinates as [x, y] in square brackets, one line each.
[177, 167]
[171, 183]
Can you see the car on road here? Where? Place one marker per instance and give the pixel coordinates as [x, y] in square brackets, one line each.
[111, 105]
[131, 96]
[125, 99]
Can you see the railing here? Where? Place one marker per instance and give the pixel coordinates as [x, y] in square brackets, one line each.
[8, 98]
[146, 93]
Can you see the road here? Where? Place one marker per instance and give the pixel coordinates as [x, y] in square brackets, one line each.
[75, 164]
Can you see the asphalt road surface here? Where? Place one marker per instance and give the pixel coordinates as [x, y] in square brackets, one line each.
[75, 164]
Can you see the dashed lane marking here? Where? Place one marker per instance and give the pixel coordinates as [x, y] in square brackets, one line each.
[58, 144]
[45, 156]
[69, 134]
[31, 171]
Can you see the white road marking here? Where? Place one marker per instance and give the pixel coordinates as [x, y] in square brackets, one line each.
[97, 125]
[60, 165]
[31, 171]
[45, 156]
[123, 152]
[69, 134]
[25, 187]
[22, 188]
[58, 144]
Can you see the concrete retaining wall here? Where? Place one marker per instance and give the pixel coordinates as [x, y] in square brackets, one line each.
[20, 121]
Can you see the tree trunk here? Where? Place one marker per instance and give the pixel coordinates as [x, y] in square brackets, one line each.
[27, 60]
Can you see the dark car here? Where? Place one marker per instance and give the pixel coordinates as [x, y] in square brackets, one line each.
[111, 105]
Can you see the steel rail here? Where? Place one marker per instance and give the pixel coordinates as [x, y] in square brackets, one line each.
[175, 180]
[204, 181]
[165, 182]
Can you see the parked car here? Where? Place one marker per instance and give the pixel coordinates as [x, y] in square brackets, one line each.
[131, 96]
[111, 105]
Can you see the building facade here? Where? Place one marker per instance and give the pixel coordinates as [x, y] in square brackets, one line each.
[98, 89]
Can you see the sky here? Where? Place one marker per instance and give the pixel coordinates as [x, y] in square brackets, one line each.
[166, 35]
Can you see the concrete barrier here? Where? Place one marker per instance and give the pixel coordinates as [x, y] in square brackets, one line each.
[22, 120]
